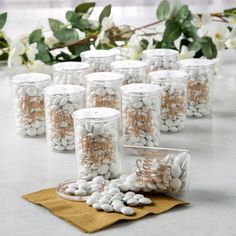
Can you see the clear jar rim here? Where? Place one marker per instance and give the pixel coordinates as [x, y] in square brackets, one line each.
[30, 78]
[167, 74]
[96, 114]
[196, 62]
[63, 89]
[128, 64]
[97, 54]
[160, 52]
[104, 77]
[71, 66]
[141, 89]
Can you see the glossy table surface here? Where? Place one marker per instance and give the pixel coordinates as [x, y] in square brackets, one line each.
[26, 165]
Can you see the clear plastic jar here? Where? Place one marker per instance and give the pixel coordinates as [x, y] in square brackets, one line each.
[70, 73]
[99, 60]
[29, 103]
[103, 89]
[157, 170]
[60, 102]
[134, 71]
[173, 98]
[97, 142]
[199, 85]
[161, 59]
[141, 114]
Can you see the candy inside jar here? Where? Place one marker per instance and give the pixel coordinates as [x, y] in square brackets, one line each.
[99, 60]
[199, 85]
[161, 59]
[141, 114]
[70, 73]
[29, 103]
[158, 170]
[60, 102]
[97, 142]
[134, 71]
[173, 98]
[103, 89]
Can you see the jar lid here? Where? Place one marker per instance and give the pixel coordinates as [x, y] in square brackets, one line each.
[104, 76]
[70, 66]
[96, 114]
[196, 62]
[128, 64]
[167, 74]
[160, 52]
[97, 53]
[64, 89]
[30, 78]
[141, 89]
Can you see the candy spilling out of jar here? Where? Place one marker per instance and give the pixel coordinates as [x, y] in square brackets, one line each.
[29, 103]
[103, 89]
[153, 173]
[141, 114]
[161, 59]
[201, 72]
[61, 102]
[97, 142]
[134, 71]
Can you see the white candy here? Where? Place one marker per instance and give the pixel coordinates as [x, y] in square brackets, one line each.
[133, 202]
[127, 211]
[145, 201]
[107, 208]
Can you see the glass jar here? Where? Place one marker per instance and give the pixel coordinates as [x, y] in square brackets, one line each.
[157, 170]
[99, 60]
[141, 114]
[173, 98]
[134, 71]
[70, 73]
[199, 85]
[60, 102]
[103, 89]
[29, 103]
[161, 59]
[97, 142]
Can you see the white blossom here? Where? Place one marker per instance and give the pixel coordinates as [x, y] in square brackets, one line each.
[31, 51]
[36, 66]
[231, 41]
[51, 41]
[17, 49]
[185, 53]
[201, 21]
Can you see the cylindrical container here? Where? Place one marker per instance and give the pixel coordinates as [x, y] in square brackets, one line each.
[70, 73]
[173, 98]
[99, 60]
[161, 59]
[103, 89]
[97, 142]
[134, 71]
[141, 114]
[156, 170]
[60, 102]
[199, 85]
[29, 103]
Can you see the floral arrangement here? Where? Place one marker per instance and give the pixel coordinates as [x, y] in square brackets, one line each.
[176, 27]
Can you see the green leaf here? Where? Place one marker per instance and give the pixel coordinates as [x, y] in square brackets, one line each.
[77, 49]
[106, 12]
[208, 48]
[43, 53]
[3, 19]
[163, 10]
[194, 46]
[3, 43]
[177, 5]
[67, 36]
[72, 17]
[84, 7]
[183, 13]
[55, 25]
[144, 44]
[172, 31]
[230, 12]
[36, 36]
[76, 21]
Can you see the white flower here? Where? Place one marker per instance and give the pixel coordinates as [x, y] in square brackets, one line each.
[93, 24]
[1, 52]
[36, 66]
[51, 41]
[17, 49]
[185, 53]
[31, 51]
[231, 41]
[107, 23]
[201, 21]
[86, 15]
[219, 34]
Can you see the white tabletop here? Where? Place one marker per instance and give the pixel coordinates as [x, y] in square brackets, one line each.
[26, 165]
